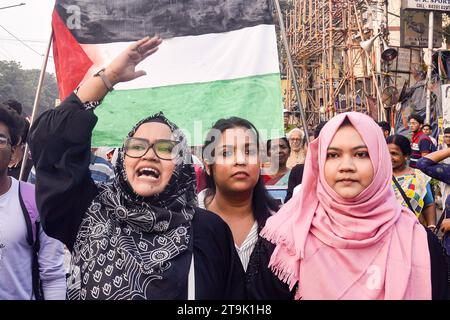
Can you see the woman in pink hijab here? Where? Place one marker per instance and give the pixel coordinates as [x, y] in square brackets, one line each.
[346, 236]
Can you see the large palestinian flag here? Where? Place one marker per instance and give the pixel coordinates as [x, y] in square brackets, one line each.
[218, 59]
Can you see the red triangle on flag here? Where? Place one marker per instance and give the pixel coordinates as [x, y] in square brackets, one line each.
[71, 62]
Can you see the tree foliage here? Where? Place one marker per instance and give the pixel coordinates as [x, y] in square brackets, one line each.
[19, 84]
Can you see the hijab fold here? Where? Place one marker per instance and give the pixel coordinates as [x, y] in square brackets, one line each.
[368, 247]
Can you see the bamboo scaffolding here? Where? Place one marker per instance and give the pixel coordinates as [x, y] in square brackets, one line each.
[333, 72]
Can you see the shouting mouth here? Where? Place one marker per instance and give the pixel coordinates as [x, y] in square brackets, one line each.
[150, 174]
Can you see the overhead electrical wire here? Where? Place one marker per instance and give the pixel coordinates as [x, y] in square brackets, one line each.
[22, 42]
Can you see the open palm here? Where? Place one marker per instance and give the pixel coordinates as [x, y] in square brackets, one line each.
[123, 67]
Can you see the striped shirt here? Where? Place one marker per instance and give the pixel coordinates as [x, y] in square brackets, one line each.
[101, 169]
[420, 142]
[246, 249]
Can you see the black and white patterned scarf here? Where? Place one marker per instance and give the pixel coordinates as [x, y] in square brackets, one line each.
[127, 243]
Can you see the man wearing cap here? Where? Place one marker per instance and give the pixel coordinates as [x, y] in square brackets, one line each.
[287, 127]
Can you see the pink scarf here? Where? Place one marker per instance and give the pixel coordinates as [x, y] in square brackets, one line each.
[369, 247]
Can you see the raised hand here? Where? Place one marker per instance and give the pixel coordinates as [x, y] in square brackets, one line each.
[123, 67]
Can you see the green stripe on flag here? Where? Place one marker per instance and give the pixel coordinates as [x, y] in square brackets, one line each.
[193, 107]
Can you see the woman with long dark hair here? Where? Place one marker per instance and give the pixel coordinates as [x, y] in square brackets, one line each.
[236, 192]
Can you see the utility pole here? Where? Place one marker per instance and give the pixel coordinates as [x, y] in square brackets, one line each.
[430, 66]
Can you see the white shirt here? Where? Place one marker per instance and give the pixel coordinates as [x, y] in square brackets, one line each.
[16, 255]
[246, 249]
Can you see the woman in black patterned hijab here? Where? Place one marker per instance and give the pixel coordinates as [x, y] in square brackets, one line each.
[140, 236]
[155, 179]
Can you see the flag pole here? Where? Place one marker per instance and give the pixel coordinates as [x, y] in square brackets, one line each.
[35, 105]
[291, 67]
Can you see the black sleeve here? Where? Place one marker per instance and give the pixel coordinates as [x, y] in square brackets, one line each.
[235, 287]
[295, 178]
[261, 283]
[219, 268]
[440, 271]
[60, 141]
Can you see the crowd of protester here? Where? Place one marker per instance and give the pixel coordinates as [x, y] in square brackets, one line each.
[145, 221]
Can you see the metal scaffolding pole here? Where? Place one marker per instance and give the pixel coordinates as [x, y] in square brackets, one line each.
[292, 69]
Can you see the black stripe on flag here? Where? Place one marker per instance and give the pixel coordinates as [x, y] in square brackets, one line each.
[105, 21]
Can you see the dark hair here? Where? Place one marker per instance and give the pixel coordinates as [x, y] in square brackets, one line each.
[25, 130]
[269, 143]
[14, 104]
[319, 128]
[17, 106]
[385, 126]
[13, 121]
[416, 117]
[447, 130]
[426, 125]
[262, 202]
[400, 141]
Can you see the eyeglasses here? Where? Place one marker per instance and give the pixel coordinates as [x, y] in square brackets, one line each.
[164, 149]
[4, 142]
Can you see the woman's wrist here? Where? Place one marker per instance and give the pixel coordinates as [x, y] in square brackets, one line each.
[112, 76]
[93, 89]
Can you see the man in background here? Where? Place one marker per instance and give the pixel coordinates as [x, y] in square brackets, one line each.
[286, 116]
[426, 128]
[421, 144]
[18, 154]
[385, 127]
[16, 251]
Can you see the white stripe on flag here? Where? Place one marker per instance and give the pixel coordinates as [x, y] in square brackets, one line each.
[199, 59]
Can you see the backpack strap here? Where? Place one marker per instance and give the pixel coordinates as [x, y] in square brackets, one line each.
[27, 199]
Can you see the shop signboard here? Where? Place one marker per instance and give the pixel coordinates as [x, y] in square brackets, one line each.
[434, 5]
